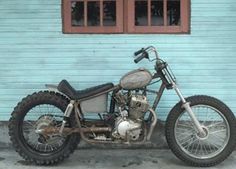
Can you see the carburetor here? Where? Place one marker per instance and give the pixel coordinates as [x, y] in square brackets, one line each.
[138, 106]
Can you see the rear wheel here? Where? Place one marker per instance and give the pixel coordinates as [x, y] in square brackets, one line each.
[36, 112]
[217, 121]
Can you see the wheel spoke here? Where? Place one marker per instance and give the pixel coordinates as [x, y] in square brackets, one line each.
[184, 133]
[218, 131]
[185, 125]
[214, 124]
[190, 143]
[29, 123]
[43, 115]
[217, 137]
[183, 141]
[202, 147]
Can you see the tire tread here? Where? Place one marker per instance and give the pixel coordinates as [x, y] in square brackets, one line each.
[14, 137]
[172, 117]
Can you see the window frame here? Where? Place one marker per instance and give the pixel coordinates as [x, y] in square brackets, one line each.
[68, 28]
[184, 27]
[125, 20]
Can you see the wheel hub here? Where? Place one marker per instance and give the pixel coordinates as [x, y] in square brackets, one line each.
[43, 122]
[203, 136]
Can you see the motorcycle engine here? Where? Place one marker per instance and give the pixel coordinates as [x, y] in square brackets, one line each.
[128, 126]
[138, 106]
[127, 129]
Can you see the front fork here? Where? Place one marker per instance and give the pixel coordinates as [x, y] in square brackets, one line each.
[187, 107]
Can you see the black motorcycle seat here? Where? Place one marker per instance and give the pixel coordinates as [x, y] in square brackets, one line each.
[65, 87]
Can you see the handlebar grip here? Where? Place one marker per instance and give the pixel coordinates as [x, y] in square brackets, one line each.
[138, 52]
[138, 59]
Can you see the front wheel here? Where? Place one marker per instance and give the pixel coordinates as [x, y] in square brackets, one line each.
[219, 124]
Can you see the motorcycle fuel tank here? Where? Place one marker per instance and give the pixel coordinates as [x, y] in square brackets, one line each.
[136, 79]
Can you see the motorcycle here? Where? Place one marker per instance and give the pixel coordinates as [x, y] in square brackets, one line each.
[47, 126]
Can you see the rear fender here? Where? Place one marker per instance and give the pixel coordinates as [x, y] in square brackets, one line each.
[53, 88]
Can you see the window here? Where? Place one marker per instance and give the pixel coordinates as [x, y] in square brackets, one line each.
[158, 16]
[126, 16]
[92, 16]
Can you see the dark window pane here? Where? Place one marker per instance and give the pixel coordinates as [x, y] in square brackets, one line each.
[173, 12]
[157, 12]
[141, 13]
[77, 13]
[109, 13]
[94, 13]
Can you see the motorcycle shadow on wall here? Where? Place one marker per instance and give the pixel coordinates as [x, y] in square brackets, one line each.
[46, 127]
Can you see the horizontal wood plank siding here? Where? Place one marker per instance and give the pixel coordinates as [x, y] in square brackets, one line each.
[33, 52]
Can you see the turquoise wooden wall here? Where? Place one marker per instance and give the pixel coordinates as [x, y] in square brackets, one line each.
[33, 51]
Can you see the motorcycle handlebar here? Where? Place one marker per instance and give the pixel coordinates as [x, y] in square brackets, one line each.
[139, 52]
[144, 53]
[139, 58]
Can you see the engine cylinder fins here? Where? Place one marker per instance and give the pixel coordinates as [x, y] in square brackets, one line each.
[138, 107]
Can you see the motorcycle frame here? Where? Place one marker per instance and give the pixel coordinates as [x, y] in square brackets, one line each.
[168, 81]
[75, 105]
[79, 116]
[152, 119]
